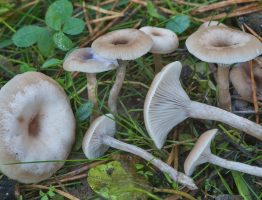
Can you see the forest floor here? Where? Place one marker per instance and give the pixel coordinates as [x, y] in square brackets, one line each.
[136, 178]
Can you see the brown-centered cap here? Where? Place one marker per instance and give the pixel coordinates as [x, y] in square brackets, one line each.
[92, 144]
[164, 40]
[124, 44]
[223, 45]
[163, 107]
[36, 124]
[199, 153]
[85, 60]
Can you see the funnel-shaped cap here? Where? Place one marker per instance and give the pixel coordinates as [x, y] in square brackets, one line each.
[165, 104]
[92, 145]
[199, 154]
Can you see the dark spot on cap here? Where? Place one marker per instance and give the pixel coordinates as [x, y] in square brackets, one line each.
[20, 119]
[87, 56]
[155, 33]
[120, 41]
[34, 126]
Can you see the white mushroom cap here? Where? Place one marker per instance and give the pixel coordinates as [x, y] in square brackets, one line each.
[197, 154]
[92, 145]
[85, 60]
[163, 104]
[210, 23]
[223, 45]
[124, 44]
[36, 124]
[164, 40]
[241, 80]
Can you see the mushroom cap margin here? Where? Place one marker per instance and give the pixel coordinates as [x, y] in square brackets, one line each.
[92, 144]
[85, 60]
[223, 45]
[124, 44]
[39, 89]
[165, 103]
[164, 40]
[202, 146]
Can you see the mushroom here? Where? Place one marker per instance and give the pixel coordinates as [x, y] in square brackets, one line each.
[85, 60]
[164, 41]
[100, 136]
[36, 124]
[167, 104]
[201, 153]
[241, 80]
[121, 45]
[223, 46]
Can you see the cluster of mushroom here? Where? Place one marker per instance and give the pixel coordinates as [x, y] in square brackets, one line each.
[167, 104]
[46, 131]
[112, 51]
[224, 46]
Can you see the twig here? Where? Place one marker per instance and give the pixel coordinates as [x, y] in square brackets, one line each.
[163, 9]
[245, 99]
[170, 158]
[137, 24]
[106, 18]
[220, 4]
[173, 156]
[107, 2]
[90, 29]
[170, 191]
[99, 24]
[77, 177]
[115, 4]
[176, 157]
[254, 90]
[103, 30]
[127, 82]
[187, 3]
[62, 193]
[143, 3]
[98, 9]
[21, 8]
[252, 32]
[82, 169]
[244, 10]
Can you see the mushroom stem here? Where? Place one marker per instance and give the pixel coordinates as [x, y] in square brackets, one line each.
[203, 111]
[253, 170]
[157, 61]
[254, 90]
[92, 91]
[224, 99]
[114, 92]
[175, 175]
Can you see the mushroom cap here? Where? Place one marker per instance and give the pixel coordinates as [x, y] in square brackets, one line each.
[199, 154]
[164, 40]
[85, 60]
[218, 44]
[124, 44]
[210, 23]
[93, 145]
[241, 80]
[165, 103]
[36, 124]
